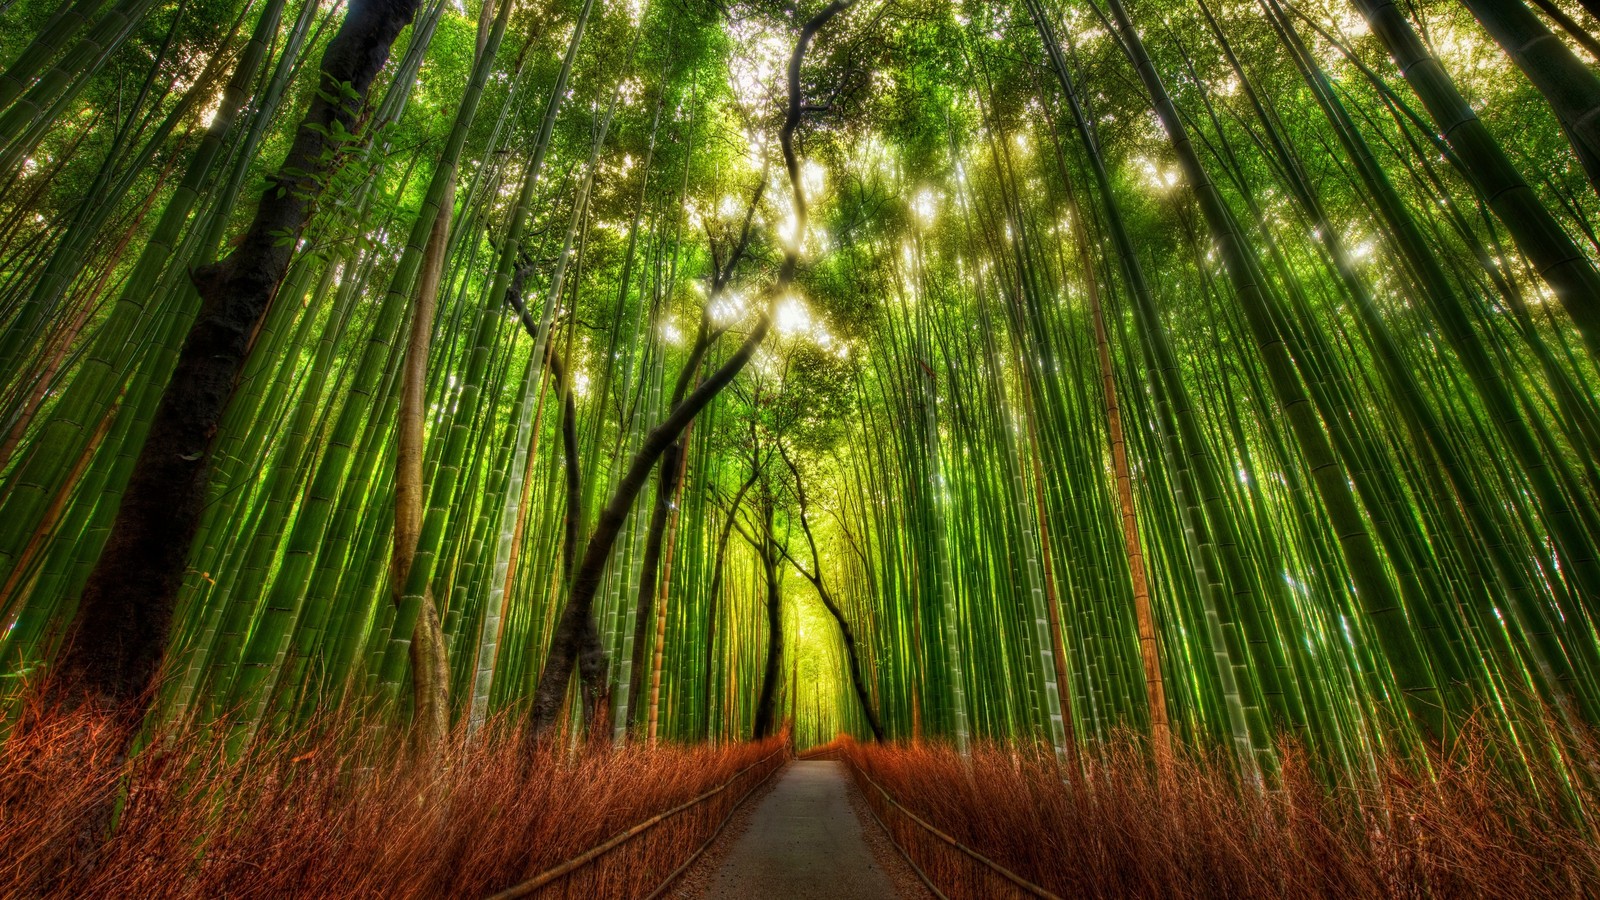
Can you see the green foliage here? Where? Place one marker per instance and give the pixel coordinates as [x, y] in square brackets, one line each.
[934, 375]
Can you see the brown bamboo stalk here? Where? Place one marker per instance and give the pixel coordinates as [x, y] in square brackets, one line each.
[661, 600]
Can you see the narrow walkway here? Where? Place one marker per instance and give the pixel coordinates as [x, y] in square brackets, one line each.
[804, 841]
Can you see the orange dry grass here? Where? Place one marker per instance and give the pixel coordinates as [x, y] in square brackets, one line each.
[341, 812]
[1470, 831]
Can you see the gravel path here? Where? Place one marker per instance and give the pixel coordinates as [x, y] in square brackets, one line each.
[908, 885]
[693, 883]
[803, 840]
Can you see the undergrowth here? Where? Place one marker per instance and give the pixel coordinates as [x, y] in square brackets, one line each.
[340, 811]
[1104, 825]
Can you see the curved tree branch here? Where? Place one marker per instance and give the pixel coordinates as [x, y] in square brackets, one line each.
[578, 616]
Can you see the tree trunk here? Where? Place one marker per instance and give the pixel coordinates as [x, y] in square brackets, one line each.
[1536, 232]
[766, 704]
[576, 640]
[852, 655]
[680, 458]
[430, 692]
[1570, 86]
[715, 591]
[125, 615]
[666, 484]
[1144, 616]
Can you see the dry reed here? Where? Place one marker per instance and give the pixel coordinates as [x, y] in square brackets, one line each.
[341, 811]
[1470, 829]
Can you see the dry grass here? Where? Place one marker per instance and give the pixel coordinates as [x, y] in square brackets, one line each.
[341, 812]
[1470, 831]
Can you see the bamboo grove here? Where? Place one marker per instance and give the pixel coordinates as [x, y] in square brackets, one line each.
[1217, 370]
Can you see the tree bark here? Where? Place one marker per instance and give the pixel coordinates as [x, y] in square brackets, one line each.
[430, 668]
[125, 615]
[766, 704]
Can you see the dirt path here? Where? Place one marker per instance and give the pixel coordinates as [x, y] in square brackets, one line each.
[804, 841]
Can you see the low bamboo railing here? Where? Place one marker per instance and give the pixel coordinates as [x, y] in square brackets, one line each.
[555, 877]
[965, 873]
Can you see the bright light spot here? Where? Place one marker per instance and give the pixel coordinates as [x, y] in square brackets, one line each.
[727, 309]
[209, 114]
[753, 72]
[756, 150]
[1158, 178]
[813, 178]
[792, 317]
[787, 230]
[925, 206]
[766, 365]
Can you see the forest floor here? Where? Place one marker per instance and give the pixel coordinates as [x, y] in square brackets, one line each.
[804, 838]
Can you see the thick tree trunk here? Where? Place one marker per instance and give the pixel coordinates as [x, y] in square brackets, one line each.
[766, 704]
[125, 615]
[1570, 86]
[1536, 232]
